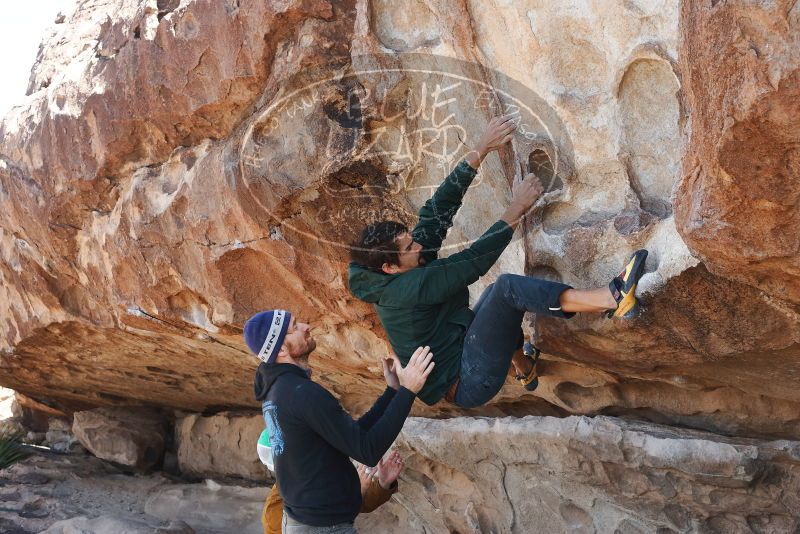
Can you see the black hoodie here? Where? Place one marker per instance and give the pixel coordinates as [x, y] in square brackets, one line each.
[313, 440]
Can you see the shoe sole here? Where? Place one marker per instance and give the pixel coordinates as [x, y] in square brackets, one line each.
[628, 307]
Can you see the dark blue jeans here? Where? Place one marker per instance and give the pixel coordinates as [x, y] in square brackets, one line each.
[496, 332]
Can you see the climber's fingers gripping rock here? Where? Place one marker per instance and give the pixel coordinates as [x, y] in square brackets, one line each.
[499, 132]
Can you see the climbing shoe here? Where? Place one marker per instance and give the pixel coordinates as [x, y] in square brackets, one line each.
[623, 287]
[531, 380]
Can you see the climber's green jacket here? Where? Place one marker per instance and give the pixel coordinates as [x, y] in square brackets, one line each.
[429, 305]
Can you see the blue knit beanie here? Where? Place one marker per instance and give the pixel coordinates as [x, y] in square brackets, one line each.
[264, 333]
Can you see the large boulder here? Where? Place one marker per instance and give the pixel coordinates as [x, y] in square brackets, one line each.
[698, 179]
[578, 474]
[222, 445]
[177, 169]
[129, 436]
[60, 437]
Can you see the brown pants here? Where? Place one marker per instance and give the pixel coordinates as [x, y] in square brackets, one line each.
[272, 515]
[273, 511]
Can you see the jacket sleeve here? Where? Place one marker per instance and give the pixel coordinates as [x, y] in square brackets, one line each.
[368, 419]
[436, 216]
[439, 281]
[375, 495]
[325, 416]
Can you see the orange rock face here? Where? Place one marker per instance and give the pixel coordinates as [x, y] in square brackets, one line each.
[177, 169]
[737, 206]
[94, 169]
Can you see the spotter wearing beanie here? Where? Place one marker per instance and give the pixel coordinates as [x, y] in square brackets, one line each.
[264, 333]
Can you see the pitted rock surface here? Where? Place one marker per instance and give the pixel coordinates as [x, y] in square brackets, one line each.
[578, 474]
[149, 205]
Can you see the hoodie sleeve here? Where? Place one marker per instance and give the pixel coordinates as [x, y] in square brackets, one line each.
[436, 215]
[325, 416]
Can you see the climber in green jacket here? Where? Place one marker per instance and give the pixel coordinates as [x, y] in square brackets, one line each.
[424, 300]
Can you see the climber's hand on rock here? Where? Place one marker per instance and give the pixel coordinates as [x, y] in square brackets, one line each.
[527, 192]
[413, 376]
[499, 132]
[524, 195]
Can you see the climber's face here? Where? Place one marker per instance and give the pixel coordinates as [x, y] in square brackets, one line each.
[298, 343]
[408, 255]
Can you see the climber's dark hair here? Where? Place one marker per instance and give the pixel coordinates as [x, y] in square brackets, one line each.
[377, 245]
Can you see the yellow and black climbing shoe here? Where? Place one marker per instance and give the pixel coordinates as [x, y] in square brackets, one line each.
[531, 380]
[623, 287]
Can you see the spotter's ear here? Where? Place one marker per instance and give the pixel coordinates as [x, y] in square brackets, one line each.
[283, 352]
